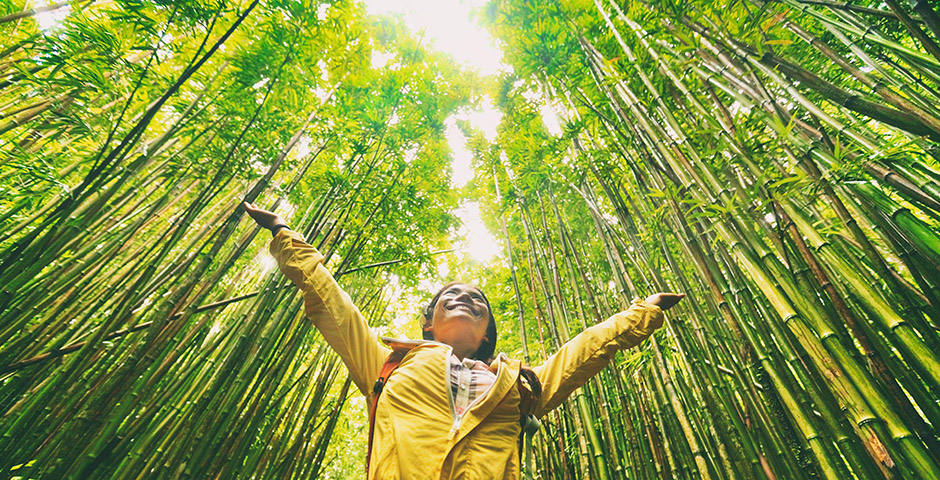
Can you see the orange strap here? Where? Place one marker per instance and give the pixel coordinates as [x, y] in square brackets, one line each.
[391, 363]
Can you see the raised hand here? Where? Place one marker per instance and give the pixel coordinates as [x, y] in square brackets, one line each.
[665, 301]
[263, 217]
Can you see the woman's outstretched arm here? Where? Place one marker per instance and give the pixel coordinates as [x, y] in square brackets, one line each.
[590, 351]
[325, 303]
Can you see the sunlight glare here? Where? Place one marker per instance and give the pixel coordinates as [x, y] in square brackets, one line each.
[447, 26]
[51, 19]
[485, 119]
[478, 241]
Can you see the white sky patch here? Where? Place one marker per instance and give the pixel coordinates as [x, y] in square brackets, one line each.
[448, 27]
[322, 94]
[485, 119]
[462, 169]
[411, 154]
[322, 11]
[550, 118]
[381, 59]
[480, 243]
[530, 95]
[504, 159]
[51, 19]
[302, 149]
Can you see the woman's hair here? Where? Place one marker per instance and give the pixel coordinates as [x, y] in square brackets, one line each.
[488, 347]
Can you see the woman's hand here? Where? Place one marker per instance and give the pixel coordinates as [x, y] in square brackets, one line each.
[264, 218]
[665, 301]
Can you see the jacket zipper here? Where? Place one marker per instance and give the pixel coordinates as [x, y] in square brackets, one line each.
[455, 424]
[450, 395]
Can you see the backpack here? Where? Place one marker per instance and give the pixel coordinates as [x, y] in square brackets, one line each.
[527, 420]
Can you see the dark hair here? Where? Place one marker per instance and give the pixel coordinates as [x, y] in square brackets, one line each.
[488, 347]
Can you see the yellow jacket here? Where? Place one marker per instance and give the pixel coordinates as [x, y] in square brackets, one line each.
[417, 435]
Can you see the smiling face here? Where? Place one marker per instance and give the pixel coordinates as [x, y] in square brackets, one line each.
[459, 318]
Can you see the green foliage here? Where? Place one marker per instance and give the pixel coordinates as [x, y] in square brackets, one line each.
[147, 233]
[776, 161]
[681, 154]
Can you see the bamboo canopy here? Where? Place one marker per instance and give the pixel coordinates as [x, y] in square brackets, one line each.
[778, 161]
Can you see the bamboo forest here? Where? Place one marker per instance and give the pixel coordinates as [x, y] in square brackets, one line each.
[778, 161]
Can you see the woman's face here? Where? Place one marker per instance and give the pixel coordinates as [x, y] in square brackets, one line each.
[460, 318]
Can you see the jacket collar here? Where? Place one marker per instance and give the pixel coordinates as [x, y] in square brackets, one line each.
[404, 345]
[507, 376]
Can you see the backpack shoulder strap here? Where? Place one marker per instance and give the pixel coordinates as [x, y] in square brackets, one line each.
[530, 389]
[391, 363]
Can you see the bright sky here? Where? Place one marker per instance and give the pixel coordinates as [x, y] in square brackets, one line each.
[447, 26]
[47, 20]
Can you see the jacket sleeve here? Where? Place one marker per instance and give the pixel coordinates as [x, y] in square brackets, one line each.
[330, 309]
[591, 350]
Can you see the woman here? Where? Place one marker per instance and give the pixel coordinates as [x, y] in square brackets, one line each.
[450, 410]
